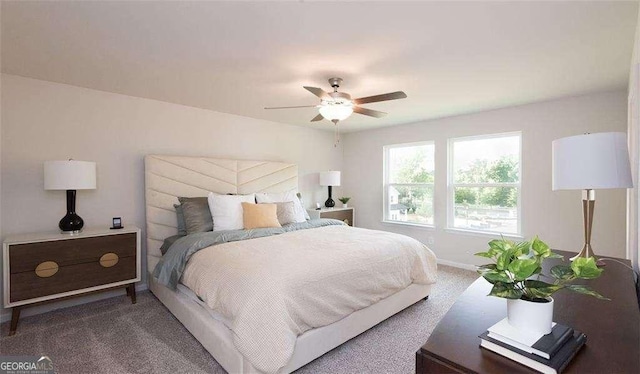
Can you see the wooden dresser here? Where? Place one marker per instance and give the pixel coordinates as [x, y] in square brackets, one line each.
[346, 215]
[51, 266]
[612, 327]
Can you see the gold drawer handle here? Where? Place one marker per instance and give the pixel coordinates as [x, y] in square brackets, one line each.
[46, 269]
[108, 260]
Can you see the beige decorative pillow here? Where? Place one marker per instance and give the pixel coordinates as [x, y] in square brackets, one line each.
[286, 212]
[256, 216]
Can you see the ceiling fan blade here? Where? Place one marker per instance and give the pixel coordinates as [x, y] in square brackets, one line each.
[317, 118]
[318, 92]
[384, 97]
[369, 112]
[291, 107]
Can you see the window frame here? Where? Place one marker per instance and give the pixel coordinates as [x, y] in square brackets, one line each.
[451, 185]
[386, 183]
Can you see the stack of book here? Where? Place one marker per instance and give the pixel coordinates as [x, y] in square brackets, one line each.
[549, 353]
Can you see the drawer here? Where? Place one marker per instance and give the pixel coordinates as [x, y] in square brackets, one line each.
[28, 285]
[345, 216]
[25, 257]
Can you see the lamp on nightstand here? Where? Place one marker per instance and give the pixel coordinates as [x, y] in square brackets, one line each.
[70, 175]
[330, 179]
[587, 162]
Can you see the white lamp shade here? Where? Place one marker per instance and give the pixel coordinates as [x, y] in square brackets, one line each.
[69, 175]
[336, 112]
[330, 178]
[591, 161]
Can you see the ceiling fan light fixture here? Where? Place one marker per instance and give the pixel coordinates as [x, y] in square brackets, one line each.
[337, 106]
[336, 112]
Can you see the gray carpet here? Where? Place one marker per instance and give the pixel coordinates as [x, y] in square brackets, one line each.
[114, 336]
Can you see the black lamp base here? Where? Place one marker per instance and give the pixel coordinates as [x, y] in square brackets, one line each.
[71, 223]
[329, 203]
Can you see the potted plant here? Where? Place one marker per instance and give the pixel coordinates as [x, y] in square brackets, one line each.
[516, 275]
[344, 201]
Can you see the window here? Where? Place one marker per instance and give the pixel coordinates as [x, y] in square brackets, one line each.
[408, 183]
[484, 183]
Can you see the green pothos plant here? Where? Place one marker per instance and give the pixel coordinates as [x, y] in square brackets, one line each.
[516, 271]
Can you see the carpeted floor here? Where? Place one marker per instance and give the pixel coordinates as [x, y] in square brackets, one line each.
[114, 336]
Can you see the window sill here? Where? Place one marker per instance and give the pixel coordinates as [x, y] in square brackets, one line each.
[489, 234]
[400, 223]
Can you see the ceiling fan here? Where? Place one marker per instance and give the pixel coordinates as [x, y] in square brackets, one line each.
[337, 106]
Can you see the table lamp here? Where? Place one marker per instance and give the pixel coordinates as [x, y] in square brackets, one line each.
[588, 162]
[330, 179]
[70, 175]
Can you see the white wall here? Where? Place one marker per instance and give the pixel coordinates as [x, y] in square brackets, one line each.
[50, 121]
[635, 59]
[555, 216]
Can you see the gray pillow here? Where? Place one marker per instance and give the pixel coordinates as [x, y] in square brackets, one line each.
[286, 212]
[182, 227]
[197, 216]
[168, 242]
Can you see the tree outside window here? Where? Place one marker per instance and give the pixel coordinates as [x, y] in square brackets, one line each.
[484, 183]
[409, 178]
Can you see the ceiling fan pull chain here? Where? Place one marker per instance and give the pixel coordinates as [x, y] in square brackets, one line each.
[336, 138]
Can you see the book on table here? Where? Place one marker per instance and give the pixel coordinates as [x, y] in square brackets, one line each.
[539, 344]
[554, 365]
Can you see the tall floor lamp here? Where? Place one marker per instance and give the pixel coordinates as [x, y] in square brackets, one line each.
[70, 175]
[588, 162]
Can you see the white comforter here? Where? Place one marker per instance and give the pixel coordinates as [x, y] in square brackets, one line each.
[275, 288]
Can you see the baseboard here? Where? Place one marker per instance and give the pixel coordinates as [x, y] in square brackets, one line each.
[459, 265]
[44, 308]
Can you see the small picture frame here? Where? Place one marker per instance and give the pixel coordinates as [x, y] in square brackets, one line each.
[117, 223]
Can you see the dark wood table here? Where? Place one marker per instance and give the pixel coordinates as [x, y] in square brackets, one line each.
[612, 328]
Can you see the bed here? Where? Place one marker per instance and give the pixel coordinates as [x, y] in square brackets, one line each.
[170, 177]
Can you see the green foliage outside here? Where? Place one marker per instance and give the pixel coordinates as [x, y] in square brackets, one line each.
[418, 200]
[504, 170]
[413, 169]
[465, 196]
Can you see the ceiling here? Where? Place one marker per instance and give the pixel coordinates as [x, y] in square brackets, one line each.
[450, 58]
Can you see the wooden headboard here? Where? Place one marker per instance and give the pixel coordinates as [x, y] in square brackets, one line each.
[168, 177]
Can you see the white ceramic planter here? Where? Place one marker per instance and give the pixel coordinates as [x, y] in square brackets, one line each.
[344, 206]
[528, 315]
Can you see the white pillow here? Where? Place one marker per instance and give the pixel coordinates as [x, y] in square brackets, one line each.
[306, 213]
[283, 197]
[226, 210]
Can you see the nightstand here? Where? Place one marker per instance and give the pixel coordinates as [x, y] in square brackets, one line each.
[50, 266]
[346, 215]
